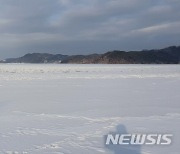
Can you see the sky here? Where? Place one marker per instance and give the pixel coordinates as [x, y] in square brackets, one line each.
[87, 26]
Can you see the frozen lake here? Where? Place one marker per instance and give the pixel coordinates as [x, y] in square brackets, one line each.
[67, 109]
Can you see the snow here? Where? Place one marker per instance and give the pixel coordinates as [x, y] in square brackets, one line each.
[68, 109]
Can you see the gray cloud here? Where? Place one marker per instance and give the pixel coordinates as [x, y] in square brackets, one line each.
[86, 26]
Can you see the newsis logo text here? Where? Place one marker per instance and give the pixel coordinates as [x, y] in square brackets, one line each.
[139, 139]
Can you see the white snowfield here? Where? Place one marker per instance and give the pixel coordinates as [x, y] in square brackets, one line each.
[68, 109]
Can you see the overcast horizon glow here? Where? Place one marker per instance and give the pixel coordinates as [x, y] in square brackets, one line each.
[87, 26]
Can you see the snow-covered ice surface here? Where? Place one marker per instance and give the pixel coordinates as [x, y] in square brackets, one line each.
[68, 109]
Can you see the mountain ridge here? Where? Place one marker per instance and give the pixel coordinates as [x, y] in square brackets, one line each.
[169, 55]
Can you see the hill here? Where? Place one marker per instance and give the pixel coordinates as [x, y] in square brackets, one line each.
[169, 55]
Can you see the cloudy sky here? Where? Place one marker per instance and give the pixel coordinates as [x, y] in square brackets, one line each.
[87, 26]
